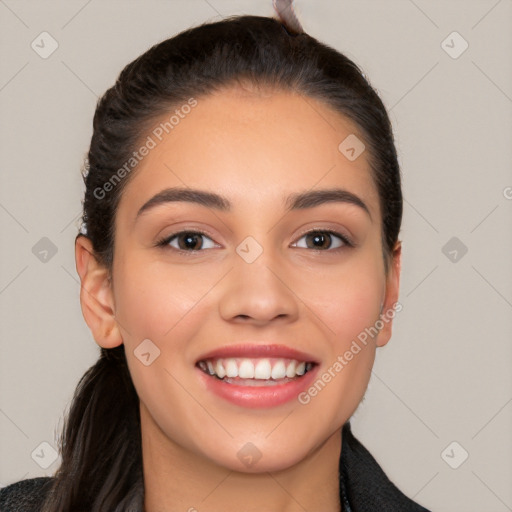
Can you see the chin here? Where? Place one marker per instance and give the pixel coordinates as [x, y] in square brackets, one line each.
[258, 457]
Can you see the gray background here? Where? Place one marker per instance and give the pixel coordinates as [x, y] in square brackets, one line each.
[444, 377]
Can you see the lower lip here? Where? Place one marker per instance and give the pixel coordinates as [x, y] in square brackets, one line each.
[258, 397]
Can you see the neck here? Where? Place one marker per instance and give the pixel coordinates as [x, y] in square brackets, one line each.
[176, 479]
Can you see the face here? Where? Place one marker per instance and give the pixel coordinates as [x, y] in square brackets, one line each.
[263, 260]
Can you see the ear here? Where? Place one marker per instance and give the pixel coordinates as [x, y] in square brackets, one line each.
[390, 307]
[96, 296]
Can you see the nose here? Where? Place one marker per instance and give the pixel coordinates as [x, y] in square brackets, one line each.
[258, 293]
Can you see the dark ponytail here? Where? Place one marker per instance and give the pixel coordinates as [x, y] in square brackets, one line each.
[101, 467]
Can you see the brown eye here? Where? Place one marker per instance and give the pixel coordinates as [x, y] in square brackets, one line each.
[318, 240]
[189, 241]
[322, 240]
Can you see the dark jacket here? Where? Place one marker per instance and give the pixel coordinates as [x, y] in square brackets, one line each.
[364, 487]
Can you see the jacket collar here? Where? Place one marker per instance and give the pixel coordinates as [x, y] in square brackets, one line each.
[364, 486]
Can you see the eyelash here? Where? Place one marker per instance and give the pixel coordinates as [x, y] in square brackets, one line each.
[347, 243]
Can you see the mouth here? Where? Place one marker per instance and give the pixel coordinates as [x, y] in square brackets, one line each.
[257, 376]
[244, 371]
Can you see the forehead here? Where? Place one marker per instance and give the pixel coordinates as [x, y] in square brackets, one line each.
[252, 146]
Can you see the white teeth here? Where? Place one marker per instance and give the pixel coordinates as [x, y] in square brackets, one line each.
[219, 369]
[254, 368]
[231, 368]
[301, 369]
[279, 370]
[290, 369]
[263, 369]
[246, 370]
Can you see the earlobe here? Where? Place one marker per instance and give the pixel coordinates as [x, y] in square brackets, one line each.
[96, 296]
[391, 297]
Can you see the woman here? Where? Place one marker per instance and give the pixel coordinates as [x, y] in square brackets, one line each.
[240, 264]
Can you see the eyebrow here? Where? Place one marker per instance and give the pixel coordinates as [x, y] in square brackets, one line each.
[299, 201]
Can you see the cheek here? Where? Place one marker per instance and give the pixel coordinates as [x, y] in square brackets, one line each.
[356, 311]
[154, 300]
[346, 300]
[165, 306]
[347, 305]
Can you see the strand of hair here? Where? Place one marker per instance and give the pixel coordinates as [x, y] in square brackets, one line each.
[287, 16]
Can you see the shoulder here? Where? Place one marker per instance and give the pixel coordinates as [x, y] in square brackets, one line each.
[25, 495]
[365, 484]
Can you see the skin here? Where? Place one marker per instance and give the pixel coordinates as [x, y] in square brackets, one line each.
[255, 148]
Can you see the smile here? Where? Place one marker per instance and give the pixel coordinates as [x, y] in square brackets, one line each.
[256, 376]
[255, 371]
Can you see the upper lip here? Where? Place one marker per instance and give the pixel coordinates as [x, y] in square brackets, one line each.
[248, 350]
